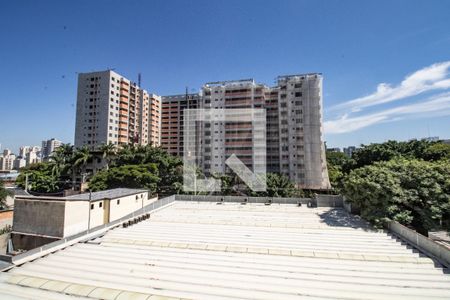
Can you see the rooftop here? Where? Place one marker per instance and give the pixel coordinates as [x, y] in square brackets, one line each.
[107, 194]
[94, 196]
[203, 250]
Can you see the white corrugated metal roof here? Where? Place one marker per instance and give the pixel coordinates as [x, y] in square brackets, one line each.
[193, 250]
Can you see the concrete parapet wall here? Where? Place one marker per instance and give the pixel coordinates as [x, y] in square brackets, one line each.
[423, 243]
[242, 199]
[4, 242]
[328, 200]
[28, 242]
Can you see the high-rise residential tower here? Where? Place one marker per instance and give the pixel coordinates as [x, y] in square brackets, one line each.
[172, 120]
[294, 142]
[48, 147]
[111, 109]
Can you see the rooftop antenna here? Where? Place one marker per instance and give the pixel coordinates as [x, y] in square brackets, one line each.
[139, 79]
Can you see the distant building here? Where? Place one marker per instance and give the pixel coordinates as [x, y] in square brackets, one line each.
[113, 110]
[172, 125]
[49, 146]
[7, 160]
[349, 150]
[19, 162]
[294, 145]
[446, 141]
[42, 219]
[30, 154]
[431, 139]
[24, 150]
[32, 157]
[335, 149]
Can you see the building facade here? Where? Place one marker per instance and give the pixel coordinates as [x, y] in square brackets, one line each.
[49, 146]
[294, 141]
[172, 117]
[111, 109]
[7, 160]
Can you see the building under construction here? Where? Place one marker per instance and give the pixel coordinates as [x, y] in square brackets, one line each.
[294, 142]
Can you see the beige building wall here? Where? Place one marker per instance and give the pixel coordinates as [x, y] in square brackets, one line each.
[97, 213]
[76, 216]
[123, 206]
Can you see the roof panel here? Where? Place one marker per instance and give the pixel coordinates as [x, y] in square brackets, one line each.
[203, 250]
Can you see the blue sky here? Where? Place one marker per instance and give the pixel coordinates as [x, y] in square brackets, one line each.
[361, 47]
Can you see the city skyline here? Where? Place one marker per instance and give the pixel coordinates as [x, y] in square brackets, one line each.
[186, 45]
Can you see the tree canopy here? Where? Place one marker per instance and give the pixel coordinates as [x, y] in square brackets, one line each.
[412, 192]
[404, 181]
[4, 193]
[140, 167]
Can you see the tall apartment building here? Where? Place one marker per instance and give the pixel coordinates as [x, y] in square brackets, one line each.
[113, 109]
[302, 149]
[7, 160]
[49, 146]
[221, 139]
[172, 117]
[294, 143]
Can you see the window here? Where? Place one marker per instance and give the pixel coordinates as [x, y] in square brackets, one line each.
[100, 204]
[92, 206]
[118, 201]
[298, 94]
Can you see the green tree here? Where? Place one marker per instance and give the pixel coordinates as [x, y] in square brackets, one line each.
[79, 159]
[278, 186]
[108, 152]
[336, 163]
[4, 193]
[170, 167]
[437, 151]
[369, 154]
[413, 192]
[41, 178]
[127, 176]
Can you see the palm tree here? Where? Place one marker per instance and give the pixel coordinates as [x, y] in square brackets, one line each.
[80, 158]
[108, 152]
[60, 159]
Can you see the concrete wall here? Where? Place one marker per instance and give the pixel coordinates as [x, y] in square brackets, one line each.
[242, 199]
[42, 217]
[318, 200]
[4, 242]
[76, 217]
[28, 242]
[426, 245]
[329, 201]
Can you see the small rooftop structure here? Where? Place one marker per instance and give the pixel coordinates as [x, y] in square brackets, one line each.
[226, 250]
[39, 220]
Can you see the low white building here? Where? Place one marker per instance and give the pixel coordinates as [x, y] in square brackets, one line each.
[42, 219]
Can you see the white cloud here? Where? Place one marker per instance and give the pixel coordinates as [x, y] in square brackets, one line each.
[438, 105]
[434, 77]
